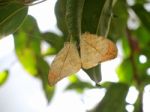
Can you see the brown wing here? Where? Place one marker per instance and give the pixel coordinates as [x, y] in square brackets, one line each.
[94, 49]
[65, 63]
[89, 55]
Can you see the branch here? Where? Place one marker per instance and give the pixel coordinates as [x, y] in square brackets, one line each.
[134, 49]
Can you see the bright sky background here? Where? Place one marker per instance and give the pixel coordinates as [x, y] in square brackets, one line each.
[23, 93]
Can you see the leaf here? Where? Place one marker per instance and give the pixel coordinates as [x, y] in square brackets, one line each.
[27, 44]
[119, 20]
[91, 14]
[142, 14]
[114, 99]
[73, 17]
[106, 84]
[6, 2]
[54, 40]
[141, 68]
[43, 69]
[125, 72]
[3, 76]
[126, 47]
[77, 84]
[138, 105]
[142, 34]
[49, 92]
[146, 80]
[105, 18]
[65, 63]
[12, 15]
[94, 50]
[94, 73]
[50, 51]
[141, 1]
[60, 12]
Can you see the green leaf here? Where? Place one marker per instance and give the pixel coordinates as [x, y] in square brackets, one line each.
[119, 20]
[43, 70]
[73, 17]
[126, 47]
[141, 1]
[105, 18]
[125, 71]
[141, 68]
[27, 44]
[143, 15]
[77, 84]
[94, 73]
[5, 2]
[11, 17]
[105, 84]
[138, 106]
[142, 34]
[56, 42]
[49, 92]
[114, 99]
[3, 77]
[146, 80]
[50, 51]
[25, 2]
[91, 14]
[60, 12]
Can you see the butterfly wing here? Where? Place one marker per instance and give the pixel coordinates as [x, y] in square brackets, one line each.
[89, 55]
[94, 49]
[65, 63]
[107, 49]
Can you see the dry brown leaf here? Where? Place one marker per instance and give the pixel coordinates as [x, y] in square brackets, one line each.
[94, 49]
[66, 62]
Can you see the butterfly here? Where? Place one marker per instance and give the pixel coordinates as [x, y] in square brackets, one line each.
[96, 49]
[66, 62]
[93, 50]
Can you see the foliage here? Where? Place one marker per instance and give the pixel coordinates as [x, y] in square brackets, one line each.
[10, 20]
[3, 76]
[117, 102]
[101, 17]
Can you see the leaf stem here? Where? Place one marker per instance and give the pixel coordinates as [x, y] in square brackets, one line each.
[139, 102]
[133, 45]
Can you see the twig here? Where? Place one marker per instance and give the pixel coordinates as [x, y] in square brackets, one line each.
[133, 46]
